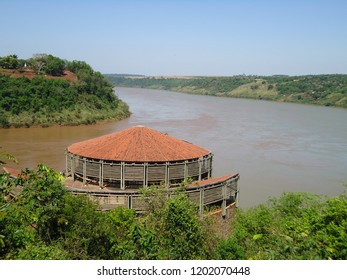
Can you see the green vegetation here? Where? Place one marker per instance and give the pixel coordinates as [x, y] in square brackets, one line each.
[46, 90]
[48, 64]
[295, 226]
[4, 157]
[10, 62]
[327, 90]
[47, 222]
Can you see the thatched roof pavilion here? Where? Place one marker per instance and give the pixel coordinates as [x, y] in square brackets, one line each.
[137, 157]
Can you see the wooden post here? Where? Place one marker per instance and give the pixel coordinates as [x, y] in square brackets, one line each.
[210, 166]
[200, 168]
[167, 174]
[129, 202]
[145, 174]
[84, 170]
[224, 202]
[237, 193]
[66, 164]
[201, 202]
[185, 170]
[101, 173]
[122, 175]
[73, 167]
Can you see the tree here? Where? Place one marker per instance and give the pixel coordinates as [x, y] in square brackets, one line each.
[43, 196]
[35, 212]
[75, 66]
[54, 66]
[85, 231]
[37, 62]
[183, 237]
[171, 228]
[9, 62]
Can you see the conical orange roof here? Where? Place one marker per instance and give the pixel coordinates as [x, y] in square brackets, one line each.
[137, 144]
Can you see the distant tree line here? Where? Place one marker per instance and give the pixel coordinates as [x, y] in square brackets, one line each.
[327, 90]
[42, 101]
[212, 85]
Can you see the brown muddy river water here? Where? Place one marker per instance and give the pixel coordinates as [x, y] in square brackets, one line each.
[276, 147]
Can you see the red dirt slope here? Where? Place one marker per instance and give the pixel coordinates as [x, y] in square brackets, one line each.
[30, 73]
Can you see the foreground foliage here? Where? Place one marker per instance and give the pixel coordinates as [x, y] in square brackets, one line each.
[46, 222]
[295, 226]
[327, 90]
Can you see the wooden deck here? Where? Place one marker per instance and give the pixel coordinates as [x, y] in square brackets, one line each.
[221, 191]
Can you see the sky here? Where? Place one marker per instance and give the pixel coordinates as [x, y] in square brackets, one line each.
[174, 38]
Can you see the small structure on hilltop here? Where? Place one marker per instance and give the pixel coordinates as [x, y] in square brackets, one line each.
[113, 168]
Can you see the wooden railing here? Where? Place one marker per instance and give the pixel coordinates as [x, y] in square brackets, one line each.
[147, 173]
[223, 191]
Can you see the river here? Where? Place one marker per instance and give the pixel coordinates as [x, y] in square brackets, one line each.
[276, 147]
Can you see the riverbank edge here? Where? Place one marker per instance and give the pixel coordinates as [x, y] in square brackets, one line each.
[205, 92]
[124, 114]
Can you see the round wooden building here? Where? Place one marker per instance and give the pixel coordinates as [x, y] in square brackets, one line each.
[111, 169]
[137, 157]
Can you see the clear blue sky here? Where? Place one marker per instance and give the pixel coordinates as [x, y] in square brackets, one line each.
[182, 37]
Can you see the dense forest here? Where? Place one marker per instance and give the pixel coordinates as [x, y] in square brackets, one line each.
[46, 90]
[44, 221]
[327, 90]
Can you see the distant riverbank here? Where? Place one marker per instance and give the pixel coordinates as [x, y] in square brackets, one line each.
[324, 90]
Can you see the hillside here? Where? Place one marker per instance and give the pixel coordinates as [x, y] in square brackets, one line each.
[327, 90]
[31, 73]
[46, 90]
